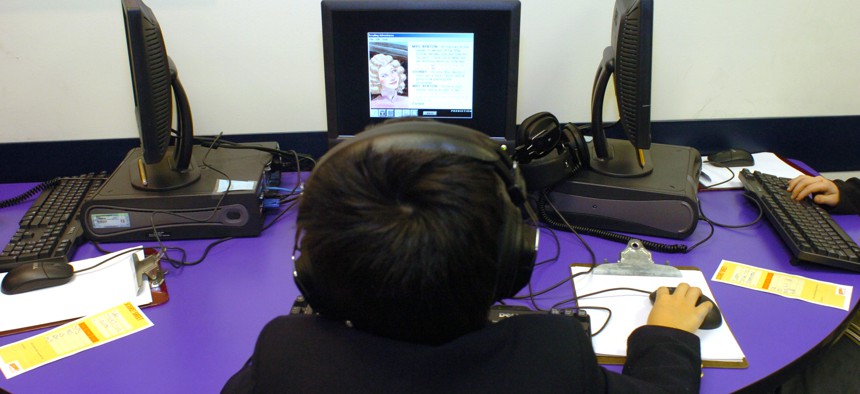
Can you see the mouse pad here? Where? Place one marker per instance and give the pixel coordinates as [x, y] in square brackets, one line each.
[630, 310]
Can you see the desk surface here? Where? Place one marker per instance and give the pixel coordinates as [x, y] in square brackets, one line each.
[217, 308]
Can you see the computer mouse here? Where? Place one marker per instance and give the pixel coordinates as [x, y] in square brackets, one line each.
[714, 318]
[731, 158]
[36, 275]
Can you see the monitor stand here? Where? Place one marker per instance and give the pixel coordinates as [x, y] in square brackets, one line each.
[663, 203]
[120, 212]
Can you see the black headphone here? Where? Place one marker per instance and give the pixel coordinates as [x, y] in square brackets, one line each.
[517, 240]
[549, 152]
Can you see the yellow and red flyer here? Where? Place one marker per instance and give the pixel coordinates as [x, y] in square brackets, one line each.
[791, 286]
[70, 338]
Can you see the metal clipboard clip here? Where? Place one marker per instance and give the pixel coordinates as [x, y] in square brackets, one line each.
[636, 261]
[149, 267]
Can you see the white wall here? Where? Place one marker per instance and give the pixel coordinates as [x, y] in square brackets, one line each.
[253, 66]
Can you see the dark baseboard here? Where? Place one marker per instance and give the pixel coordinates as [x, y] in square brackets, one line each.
[824, 143]
[40, 161]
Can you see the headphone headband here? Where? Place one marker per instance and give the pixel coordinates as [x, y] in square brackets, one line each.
[434, 136]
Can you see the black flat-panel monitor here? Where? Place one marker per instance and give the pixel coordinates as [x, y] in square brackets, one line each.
[165, 161]
[628, 59]
[454, 61]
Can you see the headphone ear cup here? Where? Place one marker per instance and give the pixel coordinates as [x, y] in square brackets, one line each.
[537, 136]
[548, 170]
[566, 157]
[517, 253]
[305, 289]
[305, 283]
[575, 140]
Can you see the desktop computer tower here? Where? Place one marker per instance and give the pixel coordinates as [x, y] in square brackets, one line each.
[663, 203]
[120, 212]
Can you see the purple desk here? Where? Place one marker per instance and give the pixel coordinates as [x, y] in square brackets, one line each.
[208, 328]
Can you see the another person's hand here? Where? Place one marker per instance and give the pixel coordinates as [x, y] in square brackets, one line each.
[679, 310]
[824, 190]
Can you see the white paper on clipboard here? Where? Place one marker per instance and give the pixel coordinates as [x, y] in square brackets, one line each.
[630, 310]
[88, 292]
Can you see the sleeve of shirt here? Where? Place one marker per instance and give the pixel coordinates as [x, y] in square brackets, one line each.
[667, 359]
[849, 196]
[659, 360]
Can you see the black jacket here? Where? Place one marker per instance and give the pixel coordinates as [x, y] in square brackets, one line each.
[531, 353]
[849, 196]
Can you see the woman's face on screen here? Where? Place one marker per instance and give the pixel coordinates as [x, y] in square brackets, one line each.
[389, 77]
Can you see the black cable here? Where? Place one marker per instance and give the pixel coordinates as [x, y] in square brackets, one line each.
[572, 299]
[710, 234]
[183, 263]
[557, 247]
[573, 230]
[180, 213]
[757, 219]
[545, 261]
[294, 201]
[109, 259]
[553, 287]
[105, 251]
[723, 182]
[217, 142]
[29, 193]
[35, 190]
[601, 308]
[608, 311]
[612, 289]
[532, 294]
[587, 126]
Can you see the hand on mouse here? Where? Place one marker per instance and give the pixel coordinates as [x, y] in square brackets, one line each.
[824, 189]
[679, 310]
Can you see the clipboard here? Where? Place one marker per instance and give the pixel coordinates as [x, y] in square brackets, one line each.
[630, 309]
[159, 296]
[158, 293]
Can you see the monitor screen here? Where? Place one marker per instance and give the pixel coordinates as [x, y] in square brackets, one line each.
[427, 75]
[452, 61]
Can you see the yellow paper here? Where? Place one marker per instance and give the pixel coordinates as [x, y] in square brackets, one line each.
[70, 338]
[791, 286]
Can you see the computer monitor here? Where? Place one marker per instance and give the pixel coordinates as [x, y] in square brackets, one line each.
[454, 61]
[628, 59]
[162, 165]
[629, 185]
[169, 188]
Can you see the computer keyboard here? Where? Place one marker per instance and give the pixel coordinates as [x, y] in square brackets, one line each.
[807, 229]
[51, 228]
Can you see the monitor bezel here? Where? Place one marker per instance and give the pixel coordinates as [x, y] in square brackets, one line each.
[150, 79]
[165, 162]
[346, 23]
[633, 78]
[628, 61]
